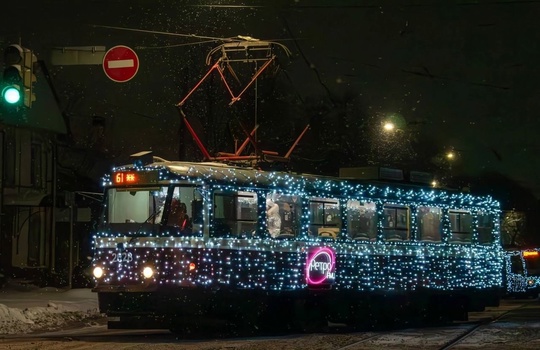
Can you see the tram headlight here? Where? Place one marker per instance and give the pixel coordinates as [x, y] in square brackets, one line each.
[98, 272]
[148, 272]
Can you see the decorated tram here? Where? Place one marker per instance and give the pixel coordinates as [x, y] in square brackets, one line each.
[522, 272]
[181, 244]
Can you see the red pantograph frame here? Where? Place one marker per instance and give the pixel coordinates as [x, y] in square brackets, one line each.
[223, 156]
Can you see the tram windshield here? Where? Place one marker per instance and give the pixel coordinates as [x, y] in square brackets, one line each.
[533, 264]
[135, 205]
[178, 209]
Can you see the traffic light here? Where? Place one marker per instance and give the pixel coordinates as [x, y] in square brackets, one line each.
[19, 76]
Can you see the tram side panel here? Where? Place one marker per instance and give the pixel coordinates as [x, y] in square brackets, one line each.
[188, 278]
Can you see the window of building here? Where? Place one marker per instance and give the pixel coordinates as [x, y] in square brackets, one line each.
[283, 215]
[36, 177]
[429, 224]
[460, 226]
[396, 222]
[235, 213]
[10, 158]
[361, 220]
[35, 238]
[324, 217]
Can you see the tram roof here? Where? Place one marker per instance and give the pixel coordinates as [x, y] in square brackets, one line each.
[240, 175]
[246, 176]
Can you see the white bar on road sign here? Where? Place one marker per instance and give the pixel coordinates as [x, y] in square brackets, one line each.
[121, 64]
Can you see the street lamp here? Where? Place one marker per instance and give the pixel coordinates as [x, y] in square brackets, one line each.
[389, 126]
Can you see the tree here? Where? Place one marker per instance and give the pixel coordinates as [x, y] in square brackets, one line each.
[513, 226]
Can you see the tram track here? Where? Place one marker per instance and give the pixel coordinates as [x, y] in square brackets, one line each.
[455, 341]
[481, 324]
[425, 338]
[437, 338]
[457, 335]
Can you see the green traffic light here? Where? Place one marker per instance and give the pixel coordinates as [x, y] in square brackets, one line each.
[11, 95]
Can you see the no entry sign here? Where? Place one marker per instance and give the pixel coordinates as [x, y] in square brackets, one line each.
[120, 63]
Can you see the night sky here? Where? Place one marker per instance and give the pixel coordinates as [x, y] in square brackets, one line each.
[458, 74]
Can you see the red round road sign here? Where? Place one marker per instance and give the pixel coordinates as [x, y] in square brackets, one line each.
[120, 63]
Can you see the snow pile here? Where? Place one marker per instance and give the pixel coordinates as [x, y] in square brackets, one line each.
[45, 309]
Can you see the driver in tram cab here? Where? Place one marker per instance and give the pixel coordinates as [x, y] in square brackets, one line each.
[178, 216]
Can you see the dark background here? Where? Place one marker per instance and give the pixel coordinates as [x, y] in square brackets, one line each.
[458, 75]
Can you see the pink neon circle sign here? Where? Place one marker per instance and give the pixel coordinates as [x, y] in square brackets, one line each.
[320, 266]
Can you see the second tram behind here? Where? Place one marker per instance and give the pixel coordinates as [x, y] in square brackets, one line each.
[182, 243]
[522, 272]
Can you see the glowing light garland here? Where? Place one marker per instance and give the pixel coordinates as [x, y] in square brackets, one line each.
[260, 262]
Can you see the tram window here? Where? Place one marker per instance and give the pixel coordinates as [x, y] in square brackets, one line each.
[325, 217]
[516, 264]
[135, 205]
[182, 212]
[361, 220]
[485, 228]
[460, 226]
[429, 224]
[396, 222]
[283, 213]
[235, 213]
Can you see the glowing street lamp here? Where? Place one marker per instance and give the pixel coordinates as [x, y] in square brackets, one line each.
[394, 122]
[389, 126]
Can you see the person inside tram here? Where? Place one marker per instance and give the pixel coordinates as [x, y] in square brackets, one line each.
[273, 217]
[178, 216]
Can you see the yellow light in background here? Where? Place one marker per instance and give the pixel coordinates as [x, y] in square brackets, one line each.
[450, 155]
[530, 254]
[389, 126]
[192, 266]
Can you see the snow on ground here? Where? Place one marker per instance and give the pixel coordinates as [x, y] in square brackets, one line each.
[27, 308]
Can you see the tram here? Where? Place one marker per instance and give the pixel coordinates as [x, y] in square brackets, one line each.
[522, 272]
[183, 244]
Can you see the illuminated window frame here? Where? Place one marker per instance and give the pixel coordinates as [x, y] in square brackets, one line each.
[329, 224]
[396, 222]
